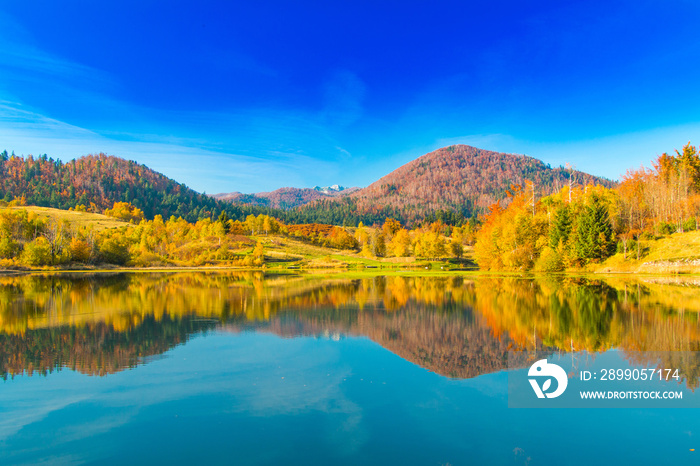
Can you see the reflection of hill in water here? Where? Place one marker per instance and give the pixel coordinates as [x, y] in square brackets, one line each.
[450, 325]
[451, 344]
[96, 349]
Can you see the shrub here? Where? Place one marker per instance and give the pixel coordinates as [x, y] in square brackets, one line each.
[114, 251]
[666, 228]
[37, 252]
[8, 248]
[690, 224]
[549, 261]
[80, 251]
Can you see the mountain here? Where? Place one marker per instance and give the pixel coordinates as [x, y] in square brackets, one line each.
[453, 184]
[334, 189]
[286, 198]
[103, 180]
[462, 178]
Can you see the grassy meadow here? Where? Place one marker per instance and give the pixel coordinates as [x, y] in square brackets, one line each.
[77, 219]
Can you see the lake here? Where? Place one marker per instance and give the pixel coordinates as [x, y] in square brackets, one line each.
[248, 368]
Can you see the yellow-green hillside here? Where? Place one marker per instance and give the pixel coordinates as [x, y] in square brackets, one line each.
[75, 218]
[676, 253]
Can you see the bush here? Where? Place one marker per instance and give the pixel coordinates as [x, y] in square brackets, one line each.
[8, 248]
[114, 251]
[37, 252]
[690, 224]
[146, 259]
[549, 261]
[666, 228]
[125, 211]
[80, 251]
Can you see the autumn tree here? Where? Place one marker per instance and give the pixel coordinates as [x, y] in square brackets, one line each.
[377, 243]
[125, 211]
[456, 248]
[399, 246]
[634, 208]
[37, 252]
[259, 254]
[390, 227]
[361, 235]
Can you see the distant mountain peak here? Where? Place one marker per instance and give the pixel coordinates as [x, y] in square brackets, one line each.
[330, 189]
[287, 198]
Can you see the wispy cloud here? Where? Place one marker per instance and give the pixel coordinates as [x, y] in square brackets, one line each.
[26, 66]
[242, 380]
[245, 150]
[27, 132]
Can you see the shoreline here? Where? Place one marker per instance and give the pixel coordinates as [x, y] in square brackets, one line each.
[353, 271]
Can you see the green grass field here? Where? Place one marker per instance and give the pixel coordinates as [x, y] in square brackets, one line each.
[285, 252]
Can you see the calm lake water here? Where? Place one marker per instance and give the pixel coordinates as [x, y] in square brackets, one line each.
[243, 368]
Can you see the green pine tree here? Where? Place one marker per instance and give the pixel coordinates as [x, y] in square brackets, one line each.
[561, 229]
[594, 234]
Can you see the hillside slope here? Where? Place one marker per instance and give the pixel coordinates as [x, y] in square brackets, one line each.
[463, 179]
[97, 222]
[676, 253]
[452, 184]
[103, 180]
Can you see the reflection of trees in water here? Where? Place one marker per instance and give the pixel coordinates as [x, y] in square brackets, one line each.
[452, 342]
[454, 325]
[584, 314]
[96, 349]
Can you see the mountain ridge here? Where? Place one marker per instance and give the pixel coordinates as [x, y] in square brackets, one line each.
[456, 175]
[451, 184]
[286, 197]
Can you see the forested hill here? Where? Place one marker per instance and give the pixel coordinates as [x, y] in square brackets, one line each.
[452, 183]
[103, 180]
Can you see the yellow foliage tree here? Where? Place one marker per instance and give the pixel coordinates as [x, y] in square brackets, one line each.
[125, 211]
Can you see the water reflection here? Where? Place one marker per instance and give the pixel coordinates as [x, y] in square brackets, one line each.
[458, 326]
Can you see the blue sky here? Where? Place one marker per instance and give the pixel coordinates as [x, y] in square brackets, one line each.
[252, 96]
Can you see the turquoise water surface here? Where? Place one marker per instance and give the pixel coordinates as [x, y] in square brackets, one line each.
[287, 388]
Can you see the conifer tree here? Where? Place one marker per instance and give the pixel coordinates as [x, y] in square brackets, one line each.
[561, 228]
[594, 234]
